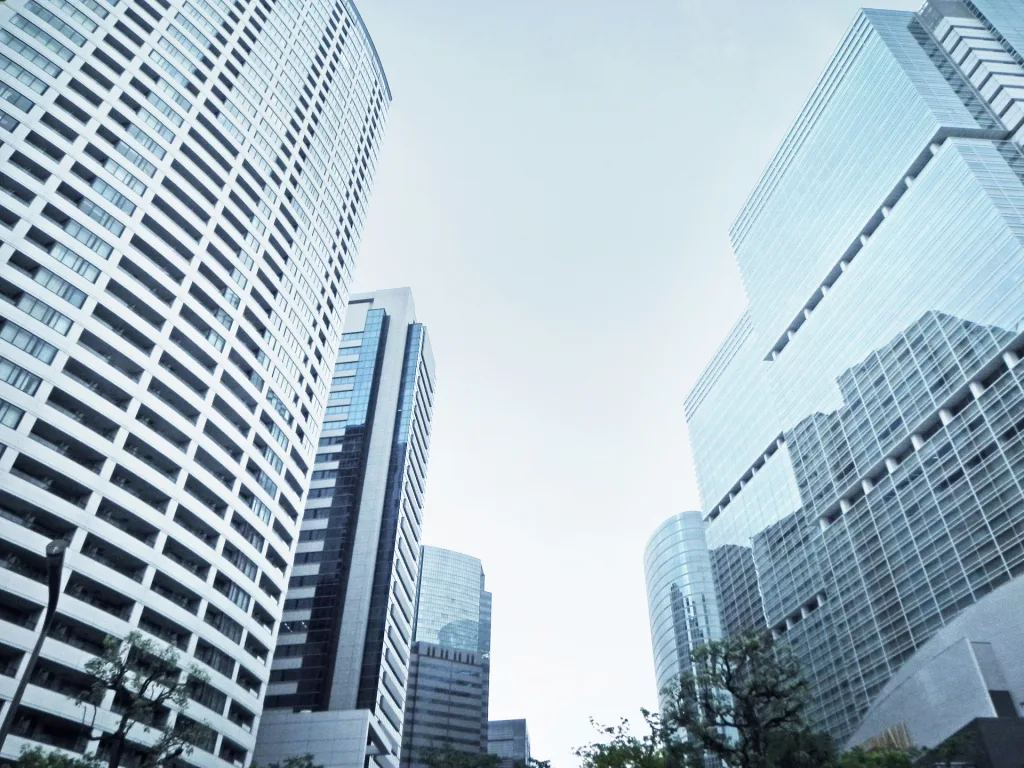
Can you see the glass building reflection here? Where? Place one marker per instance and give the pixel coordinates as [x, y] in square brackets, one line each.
[858, 436]
[680, 594]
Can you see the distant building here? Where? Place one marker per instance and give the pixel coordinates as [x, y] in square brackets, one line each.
[680, 595]
[509, 740]
[338, 681]
[859, 436]
[449, 675]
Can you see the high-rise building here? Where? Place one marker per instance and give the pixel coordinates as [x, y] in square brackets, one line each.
[509, 740]
[859, 437]
[182, 193]
[338, 682]
[680, 595]
[449, 678]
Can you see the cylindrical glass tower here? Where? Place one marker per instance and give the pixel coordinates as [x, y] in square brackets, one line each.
[680, 594]
[182, 189]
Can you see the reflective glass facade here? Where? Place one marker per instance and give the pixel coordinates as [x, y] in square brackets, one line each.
[509, 740]
[182, 191]
[858, 435]
[680, 595]
[346, 632]
[452, 606]
[449, 678]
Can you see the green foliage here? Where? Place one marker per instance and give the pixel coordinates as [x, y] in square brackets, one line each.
[622, 749]
[36, 757]
[876, 758]
[145, 678]
[299, 761]
[531, 763]
[446, 756]
[742, 702]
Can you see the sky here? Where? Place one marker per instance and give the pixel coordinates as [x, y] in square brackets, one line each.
[556, 184]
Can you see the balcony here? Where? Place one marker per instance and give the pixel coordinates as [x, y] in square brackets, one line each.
[99, 596]
[223, 624]
[124, 329]
[150, 283]
[18, 611]
[163, 427]
[215, 468]
[67, 446]
[214, 658]
[196, 527]
[206, 497]
[233, 417]
[181, 372]
[35, 519]
[177, 403]
[87, 377]
[169, 589]
[148, 454]
[218, 436]
[139, 488]
[69, 682]
[127, 522]
[141, 308]
[110, 356]
[164, 629]
[43, 477]
[248, 531]
[10, 660]
[248, 681]
[114, 558]
[88, 417]
[77, 634]
[50, 730]
[186, 559]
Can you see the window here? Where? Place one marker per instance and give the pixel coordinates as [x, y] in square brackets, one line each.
[43, 37]
[100, 216]
[10, 415]
[44, 313]
[11, 96]
[66, 29]
[324, 474]
[145, 140]
[111, 194]
[18, 377]
[122, 174]
[91, 241]
[27, 342]
[29, 53]
[60, 286]
[22, 75]
[135, 158]
[74, 262]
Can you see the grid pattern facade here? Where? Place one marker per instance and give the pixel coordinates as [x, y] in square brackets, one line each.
[680, 595]
[890, 499]
[347, 629]
[449, 682]
[447, 704]
[509, 740]
[452, 607]
[182, 193]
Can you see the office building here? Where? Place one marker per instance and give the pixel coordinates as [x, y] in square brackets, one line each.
[509, 740]
[338, 682]
[680, 595]
[859, 435]
[449, 678]
[182, 193]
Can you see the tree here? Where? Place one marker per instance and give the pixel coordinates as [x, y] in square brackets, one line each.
[623, 749]
[146, 680]
[36, 757]
[298, 761]
[886, 757]
[531, 763]
[446, 756]
[743, 702]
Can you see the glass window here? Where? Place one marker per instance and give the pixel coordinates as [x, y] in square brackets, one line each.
[27, 342]
[18, 377]
[10, 415]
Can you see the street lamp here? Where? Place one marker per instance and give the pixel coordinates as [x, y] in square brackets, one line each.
[54, 565]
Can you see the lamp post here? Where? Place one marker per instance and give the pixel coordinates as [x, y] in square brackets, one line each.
[54, 565]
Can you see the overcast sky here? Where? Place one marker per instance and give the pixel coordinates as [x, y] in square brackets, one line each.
[556, 185]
